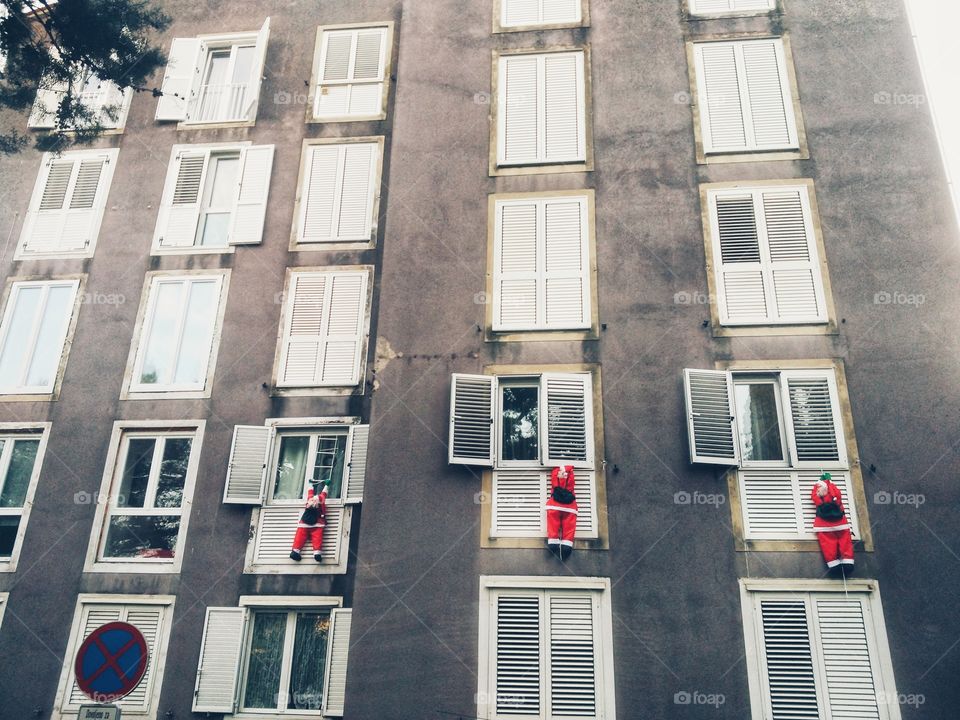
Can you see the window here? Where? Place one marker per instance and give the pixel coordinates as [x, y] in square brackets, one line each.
[541, 110]
[744, 97]
[326, 322]
[339, 192]
[179, 323]
[273, 466]
[538, 14]
[214, 197]
[67, 204]
[352, 72]
[33, 335]
[214, 78]
[4, 596]
[766, 258]
[151, 615]
[542, 267]
[21, 454]
[274, 656]
[144, 502]
[731, 7]
[545, 648]
[817, 649]
[104, 100]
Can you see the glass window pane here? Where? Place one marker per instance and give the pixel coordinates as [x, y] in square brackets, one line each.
[8, 534]
[49, 347]
[263, 664]
[291, 468]
[217, 67]
[331, 452]
[243, 67]
[18, 475]
[214, 228]
[15, 345]
[520, 426]
[136, 472]
[173, 472]
[224, 181]
[309, 657]
[197, 334]
[142, 536]
[162, 343]
[760, 437]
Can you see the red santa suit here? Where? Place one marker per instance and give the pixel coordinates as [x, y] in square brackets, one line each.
[836, 543]
[561, 516]
[313, 530]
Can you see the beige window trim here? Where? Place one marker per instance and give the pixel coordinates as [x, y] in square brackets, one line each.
[702, 159]
[602, 541]
[829, 328]
[498, 13]
[865, 542]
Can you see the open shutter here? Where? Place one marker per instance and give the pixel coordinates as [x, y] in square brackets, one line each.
[219, 668]
[566, 268]
[180, 207]
[564, 108]
[251, 205]
[788, 664]
[356, 463]
[515, 271]
[517, 110]
[179, 79]
[256, 71]
[849, 657]
[573, 672]
[516, 649]
[339, 190]
[814, 423]
[338, 652]
[472, 403]
[43, 115]
[249, 459]
[566, 419]
[711, 426]
[114, 99]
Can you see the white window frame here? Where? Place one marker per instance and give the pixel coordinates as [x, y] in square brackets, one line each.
[22, 431]
[62, 710]
[750, 592]
[491, 584]
[121, 431]
[692, 8]
[14, 284]
[132, 388]
[500, 25]
[4, 599]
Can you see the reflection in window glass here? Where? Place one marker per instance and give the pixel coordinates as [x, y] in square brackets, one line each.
[265, 659]
[520, 439]
[19, 455]
[759, 421]
[36, 328]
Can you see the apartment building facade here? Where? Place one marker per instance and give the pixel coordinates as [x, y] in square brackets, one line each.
[697, 249]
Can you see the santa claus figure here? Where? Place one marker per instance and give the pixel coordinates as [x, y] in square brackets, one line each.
[561, 512]
[831, 524]
[312, 522]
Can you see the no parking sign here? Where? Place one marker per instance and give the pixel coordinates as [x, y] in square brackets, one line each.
[111, 662]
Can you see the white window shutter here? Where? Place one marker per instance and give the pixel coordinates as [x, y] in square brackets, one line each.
[566, 269]
[302, 338]
[814, 425]
[251, 205]
[218, 671]
[518, 110]
[517, 647]
[43, 115]
[356, 463]
[738, 260]
[518, 503]
[711, 7]
[472, 427]
[275, 527]
[566, 419]
[116, 99]
[520, 12]
[355, 207]
[256, 71]
[338, 653]
[369, 59]
[788, 673]
[250, 457]
[352, 73]
[773, 503]
[321, 186]
[711, 426]
[573, 671]
[340, 359]
[768, 93]
[339, 190]
[721, 113]
[183, 192]
[516, 263]
[554, 12]
[848, 657]
[179, 79]
[564, 108]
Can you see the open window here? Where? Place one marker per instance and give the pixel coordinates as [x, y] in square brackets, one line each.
[351, 73]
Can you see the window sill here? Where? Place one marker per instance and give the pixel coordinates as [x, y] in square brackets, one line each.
[215, 125]
[335, 246]
[15, 396]
[500, 29]
[193, 250]
[827, 328]
[811, 546]
[751, 156]
[325, 391]
[537, 543]
[164, 394]
[493, 336]
[25, 256]
[313, 120]
[573, 167]
[134, 567]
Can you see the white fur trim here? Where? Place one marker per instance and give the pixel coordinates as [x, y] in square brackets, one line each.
[568, 543]
[833, 563]
[831, 528]
[562, 508]
[553, 541]
[847, 561]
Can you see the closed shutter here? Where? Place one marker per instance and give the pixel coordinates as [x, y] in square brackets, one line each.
[847, 653]
[808, 510]
[744, 96]
[356, 463]
[520, 12]
[564, 112]
[250, 456]
[275, 527]
[716, 7]
[351, 74]
[183, 191]
[516, 274]
[765, 252]
[776, 504]
[711, 427]
[471, 419]
[814, 423]
[567, 423]
[519, 503]
[256, 71]
[338, 653]
[180, 79]
[554, 12]
[572, 646]
[219, 667]
[251, 205]
[68, 202]
[516, 655]
[788, 663]
[339, 192]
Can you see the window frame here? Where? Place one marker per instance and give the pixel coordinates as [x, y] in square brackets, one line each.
[499, 27]
[313, 433]
[692, 13]
[123, 429]
[21, 430]
[772, 379]
[132, 389]
[122, 112]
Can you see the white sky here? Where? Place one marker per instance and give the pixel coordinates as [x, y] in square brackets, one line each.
[934, 25]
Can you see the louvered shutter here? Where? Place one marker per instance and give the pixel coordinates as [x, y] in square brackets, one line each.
[520, 12]
[788, 663]
[567, 264]
[564, 109]
[711, 7]
[251, 205]
[179, 79]
[814, 423]
[356, 463]
[516, 267]
[808, 511]
[554, 12]
[848, 656]
[180, 208]
[711, 426]
[351, 74]
[518, 504]
[572, 644]
[739, 261]
[518, 110]
[256, 71]
[516, 655]
[275, 527]
[338, 653]
[795, 279]
[472, 403]
[250, 457]
[776, 504]
[219, 668]
[566, 419]
[339, 191]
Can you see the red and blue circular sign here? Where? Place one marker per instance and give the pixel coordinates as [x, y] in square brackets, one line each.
[111, 662]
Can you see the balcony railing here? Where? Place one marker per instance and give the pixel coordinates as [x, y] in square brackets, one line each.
[221, 103]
